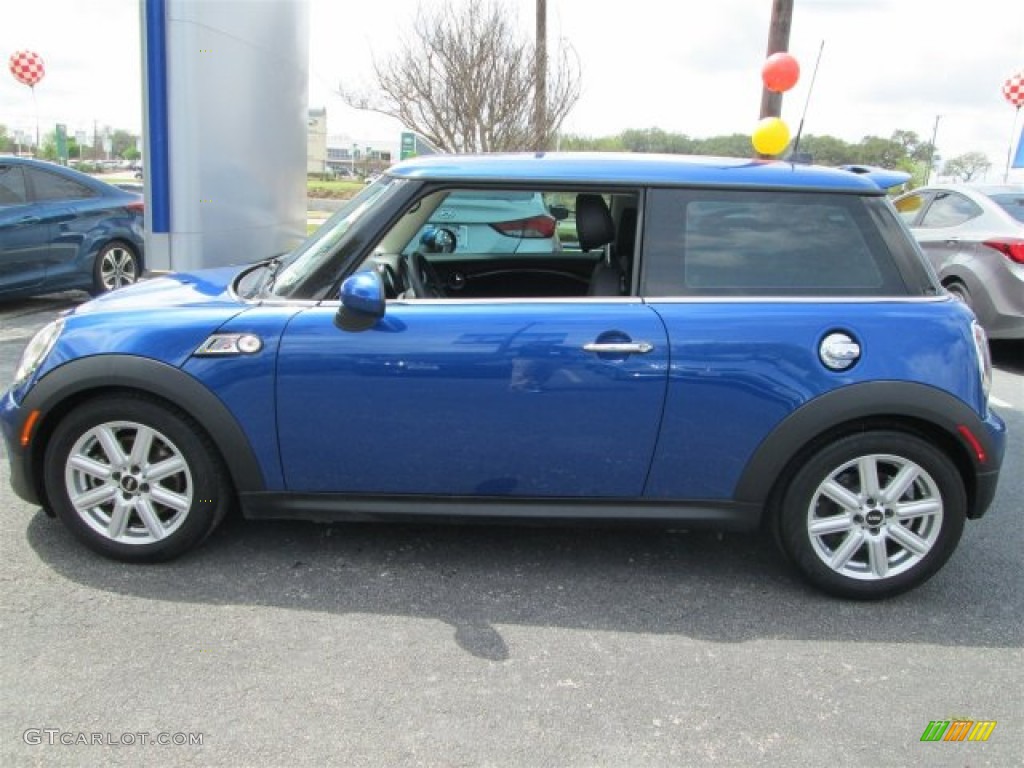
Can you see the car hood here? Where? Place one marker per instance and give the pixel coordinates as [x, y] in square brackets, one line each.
[163, 319]
[205, 288]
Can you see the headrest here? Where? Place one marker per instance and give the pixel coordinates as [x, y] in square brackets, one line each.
[594, 225]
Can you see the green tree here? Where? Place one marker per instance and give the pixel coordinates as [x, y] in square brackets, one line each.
[570, 142]
[49, 149]
[733, 145]
[122, 141]
[6, 142]
[968, 166]
[912, 145]
[657, 140]
[884, 153]
[827, 150]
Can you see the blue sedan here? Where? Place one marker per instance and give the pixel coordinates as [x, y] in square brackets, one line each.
[63, 230]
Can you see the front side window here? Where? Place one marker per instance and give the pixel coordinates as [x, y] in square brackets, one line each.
[492, 242]
[12, 186]
[909, 206]
[732, 243]
[497, 222]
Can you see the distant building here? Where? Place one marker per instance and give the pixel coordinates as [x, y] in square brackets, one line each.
[360, 156]
[316, 141]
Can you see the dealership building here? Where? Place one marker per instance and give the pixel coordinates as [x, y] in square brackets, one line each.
[357, 155]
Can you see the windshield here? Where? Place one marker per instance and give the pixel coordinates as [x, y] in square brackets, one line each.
[315, 255]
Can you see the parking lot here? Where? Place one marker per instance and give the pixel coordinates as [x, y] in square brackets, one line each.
[300, 644]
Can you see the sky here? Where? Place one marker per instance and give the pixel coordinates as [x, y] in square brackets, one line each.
[679, 65]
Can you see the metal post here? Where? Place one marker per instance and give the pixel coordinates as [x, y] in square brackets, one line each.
[778, 40]
[540, 105]
[931, 154]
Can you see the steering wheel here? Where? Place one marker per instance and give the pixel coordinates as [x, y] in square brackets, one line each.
[423, 278]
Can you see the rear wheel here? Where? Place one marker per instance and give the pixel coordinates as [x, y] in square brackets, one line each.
[135, 480]
[873, 515]
[116, 266]
[959, 292]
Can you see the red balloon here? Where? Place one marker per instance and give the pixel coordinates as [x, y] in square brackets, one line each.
[27, 67]
[780, 72]
[1013, 89]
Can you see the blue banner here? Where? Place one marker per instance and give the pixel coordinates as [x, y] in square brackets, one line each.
[1018, 159]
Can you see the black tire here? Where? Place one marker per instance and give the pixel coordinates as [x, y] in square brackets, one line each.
[117, 265]
[890, 546]
[959, 291]
[176, 481]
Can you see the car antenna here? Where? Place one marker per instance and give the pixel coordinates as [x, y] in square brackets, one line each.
[807, 102]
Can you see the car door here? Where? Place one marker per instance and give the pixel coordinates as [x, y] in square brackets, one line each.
[72, 211]
[943, 230]
[24, 233]
[538, 398]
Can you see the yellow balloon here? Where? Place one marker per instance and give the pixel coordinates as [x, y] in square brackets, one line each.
[771, 136]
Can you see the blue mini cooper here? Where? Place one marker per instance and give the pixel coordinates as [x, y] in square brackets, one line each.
[704, 342]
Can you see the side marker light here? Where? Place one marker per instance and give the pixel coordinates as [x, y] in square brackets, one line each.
[30, 424]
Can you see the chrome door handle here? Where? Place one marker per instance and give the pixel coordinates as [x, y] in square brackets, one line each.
[620, 348]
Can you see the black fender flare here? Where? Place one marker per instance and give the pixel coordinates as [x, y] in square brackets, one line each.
[932, 411]
[101, 373]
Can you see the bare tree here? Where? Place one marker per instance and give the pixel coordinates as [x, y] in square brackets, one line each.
[967, 166]
[466, 81]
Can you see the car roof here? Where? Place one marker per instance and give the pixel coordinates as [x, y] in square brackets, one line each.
[634, 168]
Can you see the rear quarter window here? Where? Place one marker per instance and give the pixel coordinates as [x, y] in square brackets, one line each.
[738, 243]
[949, 210]
[50, 186]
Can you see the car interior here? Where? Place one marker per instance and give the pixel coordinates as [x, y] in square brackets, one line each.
[590, 253]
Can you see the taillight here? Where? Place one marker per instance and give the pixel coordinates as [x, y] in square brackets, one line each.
[984, 358]
[1011, 247]
[139, 207]
[534, 227]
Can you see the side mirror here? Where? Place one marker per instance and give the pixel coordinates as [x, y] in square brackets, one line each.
[362, 302]
[439, 240]
[559, 212]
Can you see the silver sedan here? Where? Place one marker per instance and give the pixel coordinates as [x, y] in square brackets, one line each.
[974, 237]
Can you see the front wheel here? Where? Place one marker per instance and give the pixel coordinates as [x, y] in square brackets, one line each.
[135, 480]
[873, 515]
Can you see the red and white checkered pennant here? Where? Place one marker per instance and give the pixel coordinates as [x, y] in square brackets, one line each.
[1013, 89]
[27, 67]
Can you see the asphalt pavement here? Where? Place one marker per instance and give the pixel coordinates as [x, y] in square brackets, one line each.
[288, 644]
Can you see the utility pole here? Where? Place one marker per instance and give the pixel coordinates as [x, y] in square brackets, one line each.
[778, 40]
[931, 153]
[540, 104]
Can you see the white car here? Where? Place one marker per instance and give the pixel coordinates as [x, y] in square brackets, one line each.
[500, 223]
[974, 237]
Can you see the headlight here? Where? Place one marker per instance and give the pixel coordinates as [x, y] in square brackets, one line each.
[37, 350]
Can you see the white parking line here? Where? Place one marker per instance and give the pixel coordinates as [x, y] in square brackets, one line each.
[999, 403]
[16, 335]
